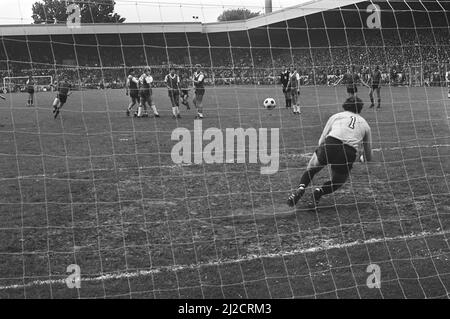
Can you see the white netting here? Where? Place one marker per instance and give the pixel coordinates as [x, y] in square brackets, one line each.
[100, 190]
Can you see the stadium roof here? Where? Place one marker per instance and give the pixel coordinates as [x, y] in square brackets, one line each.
[301, 10]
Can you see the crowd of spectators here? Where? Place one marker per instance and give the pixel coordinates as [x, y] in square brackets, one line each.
[406, 57]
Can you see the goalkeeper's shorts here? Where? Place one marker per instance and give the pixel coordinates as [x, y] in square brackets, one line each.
[337, 154]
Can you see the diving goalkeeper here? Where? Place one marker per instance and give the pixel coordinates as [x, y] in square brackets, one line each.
[341, 139]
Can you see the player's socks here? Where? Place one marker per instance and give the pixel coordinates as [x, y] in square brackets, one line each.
[57, 112]
[296, 196]
[140, 111]
[174, 112]
[155, 111]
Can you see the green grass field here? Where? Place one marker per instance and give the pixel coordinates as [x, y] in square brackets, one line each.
[100, 190]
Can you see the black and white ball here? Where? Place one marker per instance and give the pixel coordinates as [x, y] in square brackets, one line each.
[270, 103]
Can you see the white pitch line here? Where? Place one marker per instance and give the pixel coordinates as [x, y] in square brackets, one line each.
[305, 155]
[326, 245]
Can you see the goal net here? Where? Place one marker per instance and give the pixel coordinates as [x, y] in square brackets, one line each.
[99, 204]
[19, 83]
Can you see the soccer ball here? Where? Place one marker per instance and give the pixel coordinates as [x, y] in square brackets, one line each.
[269, 103]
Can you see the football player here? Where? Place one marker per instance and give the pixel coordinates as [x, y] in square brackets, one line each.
[294, 89]
[172, 81]
[447, 80]
[375, 86]
[185, 91]
[146, 94]
[30, 90]
[351, 79]
[63, 87]
[284, 79]
[343, 136]
[199, 86]
[132, 90]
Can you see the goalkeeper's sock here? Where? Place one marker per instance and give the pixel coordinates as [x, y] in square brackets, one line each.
[308, 176]
[333, 185]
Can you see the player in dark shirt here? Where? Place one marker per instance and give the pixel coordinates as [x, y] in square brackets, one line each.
[351, 79]
[172, 81]
[375, 86]
[184, 84]
[132, 91]
[284, 79]
[30, 90]
[63, 88]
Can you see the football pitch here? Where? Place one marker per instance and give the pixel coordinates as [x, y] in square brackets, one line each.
[99, 190]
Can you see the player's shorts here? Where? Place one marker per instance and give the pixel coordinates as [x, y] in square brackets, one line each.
[185, 92]
[337, 154]
[145, 94]
[30, 91]
[352, 89]
[375, 86]
[62, 98]
[174, 97]
[294, 95]
[200, 91]
[134, 94]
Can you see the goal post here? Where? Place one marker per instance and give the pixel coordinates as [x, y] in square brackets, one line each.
[15, 84]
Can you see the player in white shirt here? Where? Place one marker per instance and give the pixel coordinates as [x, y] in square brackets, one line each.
[447, 79]
[294, 89]
[199, 86]
[341, 139]
[146, 94]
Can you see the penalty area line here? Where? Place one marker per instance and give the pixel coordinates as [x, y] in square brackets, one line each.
[324, 246]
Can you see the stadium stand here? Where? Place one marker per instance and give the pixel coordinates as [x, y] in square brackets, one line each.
[321, 46]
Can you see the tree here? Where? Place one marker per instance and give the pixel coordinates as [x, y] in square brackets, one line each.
[237, 14]
[94, 11]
